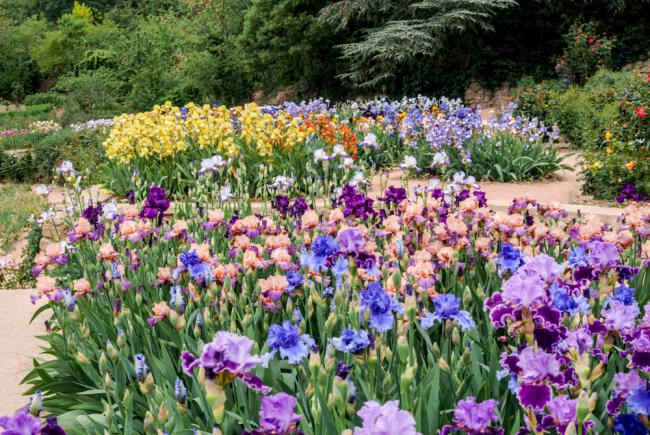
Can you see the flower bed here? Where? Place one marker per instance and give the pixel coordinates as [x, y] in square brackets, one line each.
[414, 313]
[319, 144]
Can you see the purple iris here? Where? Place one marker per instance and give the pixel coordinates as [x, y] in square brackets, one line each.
[52, 427]
[510, 259]
[156, 204]
[299, 207]
[356, 203]
[365, 260]
[351, 341]
[92, 214]
[350, 240]
[394, 195]
[447, 307]
[618, 316]
[287, 340]
[228, 352]
[602, 255]
[282, 204]
[473, 418]
[385, 419]
[277, 416]
[629, 192]
[380, 305]
[530, 371]
[21, 423]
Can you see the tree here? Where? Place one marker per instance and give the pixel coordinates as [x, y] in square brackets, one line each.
[395, 32]
[286, 46]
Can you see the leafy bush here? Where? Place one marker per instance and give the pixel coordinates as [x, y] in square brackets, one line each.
[45, 151]
[53, 98]
[621, 158]
[582, 113]
[19, 141]
[17, 204]
[91, 91]
[587, 51]
[28, 111]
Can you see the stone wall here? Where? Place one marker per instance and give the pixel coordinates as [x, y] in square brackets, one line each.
[476, 95]
[642, 65]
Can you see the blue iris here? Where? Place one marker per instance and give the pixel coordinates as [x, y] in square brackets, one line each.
[510, 259]
[180, 391]
[351, 341]
[381, 306]
[141, 369]
[567, 303]
[447, 307]
[287, 340]
[341, 266]
[176, 299]
[324, 246]
[624, 294]
[294, 278]
[578, 257]
[191, 262]
[639, 401]
[629, 424]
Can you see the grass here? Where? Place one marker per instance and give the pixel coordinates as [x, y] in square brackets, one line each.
[17, 204]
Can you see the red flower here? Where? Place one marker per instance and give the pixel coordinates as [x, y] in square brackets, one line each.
[648, 77]
[591, 41]
[640, 112]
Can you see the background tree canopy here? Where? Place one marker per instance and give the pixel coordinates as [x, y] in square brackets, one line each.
[130, 54]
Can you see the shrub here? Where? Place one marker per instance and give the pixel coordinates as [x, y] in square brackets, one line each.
[28, 111]
[19, 141]
[587, 51]
[53, 98]
[45, 151]
[621, 156]
[91, 91]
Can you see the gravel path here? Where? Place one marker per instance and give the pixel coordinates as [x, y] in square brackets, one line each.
[17, 346]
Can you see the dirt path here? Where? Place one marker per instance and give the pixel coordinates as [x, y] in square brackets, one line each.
[18, 345]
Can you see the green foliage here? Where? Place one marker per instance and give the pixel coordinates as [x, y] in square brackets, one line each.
[42, 152]
[401, 31]
[22, 276]
[289, 27]
[91, 91]
[583, 113]
[52, 98]
[28, 111]
[503, 157]
[17, 204]
[587, 51]
[506, 158]
[621, 156]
